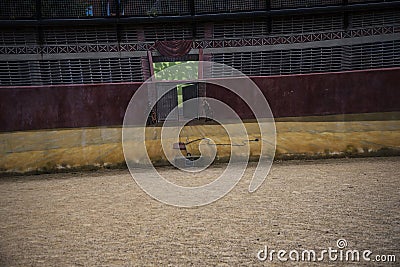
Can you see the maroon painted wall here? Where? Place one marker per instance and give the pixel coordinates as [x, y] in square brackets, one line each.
[49, 107]
[322, 94]
[69, 106]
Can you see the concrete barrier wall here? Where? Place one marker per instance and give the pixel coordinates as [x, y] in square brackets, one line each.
[322, 115]
[47, 150]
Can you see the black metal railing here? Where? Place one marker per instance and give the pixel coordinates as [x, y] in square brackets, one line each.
[79, 9]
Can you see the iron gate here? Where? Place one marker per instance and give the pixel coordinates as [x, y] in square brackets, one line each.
[169, 101]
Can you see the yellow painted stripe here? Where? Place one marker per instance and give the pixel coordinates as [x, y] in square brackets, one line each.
[67, 148]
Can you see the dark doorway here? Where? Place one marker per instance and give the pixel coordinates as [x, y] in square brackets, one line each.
[175, 95]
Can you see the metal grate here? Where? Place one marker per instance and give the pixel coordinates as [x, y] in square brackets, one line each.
[155, 7]
[81, 34]
[280, 62]
[310, 60]
[71, 71]
[277, 4]
[156, 32]
[167, 32]
[219, 6]
[238, 29]
[18, 36]
[17, 9]
[167, 102]
[130, 34]
[375, 18]
[152, 32]
[19, 73]
[375, 55]
[307, 23]
[203, 30]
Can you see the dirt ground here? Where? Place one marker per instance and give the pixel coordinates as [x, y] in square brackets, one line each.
[104, 218]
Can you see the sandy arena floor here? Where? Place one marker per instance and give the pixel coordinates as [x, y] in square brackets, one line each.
[104, 218]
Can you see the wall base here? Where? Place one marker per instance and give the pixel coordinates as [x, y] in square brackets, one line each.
[88, 148]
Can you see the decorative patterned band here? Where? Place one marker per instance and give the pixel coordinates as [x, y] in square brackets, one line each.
[197, 44]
